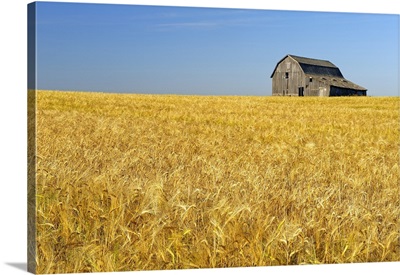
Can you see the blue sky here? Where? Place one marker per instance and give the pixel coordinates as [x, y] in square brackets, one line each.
[178, 50]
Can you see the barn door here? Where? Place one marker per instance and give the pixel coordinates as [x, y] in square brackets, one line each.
[301, 91]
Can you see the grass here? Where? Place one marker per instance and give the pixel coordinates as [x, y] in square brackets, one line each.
[145, 182]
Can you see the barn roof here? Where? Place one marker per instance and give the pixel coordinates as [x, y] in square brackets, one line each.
[312, 61]
[314, 66]
[339, 82]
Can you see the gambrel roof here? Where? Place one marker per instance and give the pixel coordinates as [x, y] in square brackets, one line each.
[313, 66]
[312, 61]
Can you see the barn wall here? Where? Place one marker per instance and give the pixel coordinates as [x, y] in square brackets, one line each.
[287, 86]
[315, 87]
[336, 91]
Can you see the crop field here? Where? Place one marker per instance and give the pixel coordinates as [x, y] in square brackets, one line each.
[153, 182]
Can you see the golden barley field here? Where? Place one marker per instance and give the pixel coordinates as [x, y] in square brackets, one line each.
[153, 182]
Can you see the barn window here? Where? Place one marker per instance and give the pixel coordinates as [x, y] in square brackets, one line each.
[310, 79]
[287, 75]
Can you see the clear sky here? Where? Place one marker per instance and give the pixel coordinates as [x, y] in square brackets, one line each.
[178, 50]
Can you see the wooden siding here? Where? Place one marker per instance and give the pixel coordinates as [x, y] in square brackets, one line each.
[315, 87]
[295, 78]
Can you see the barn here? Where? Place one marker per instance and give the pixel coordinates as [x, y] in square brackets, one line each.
[302, 76]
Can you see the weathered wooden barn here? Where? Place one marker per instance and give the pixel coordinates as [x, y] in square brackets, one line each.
[301, 76]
